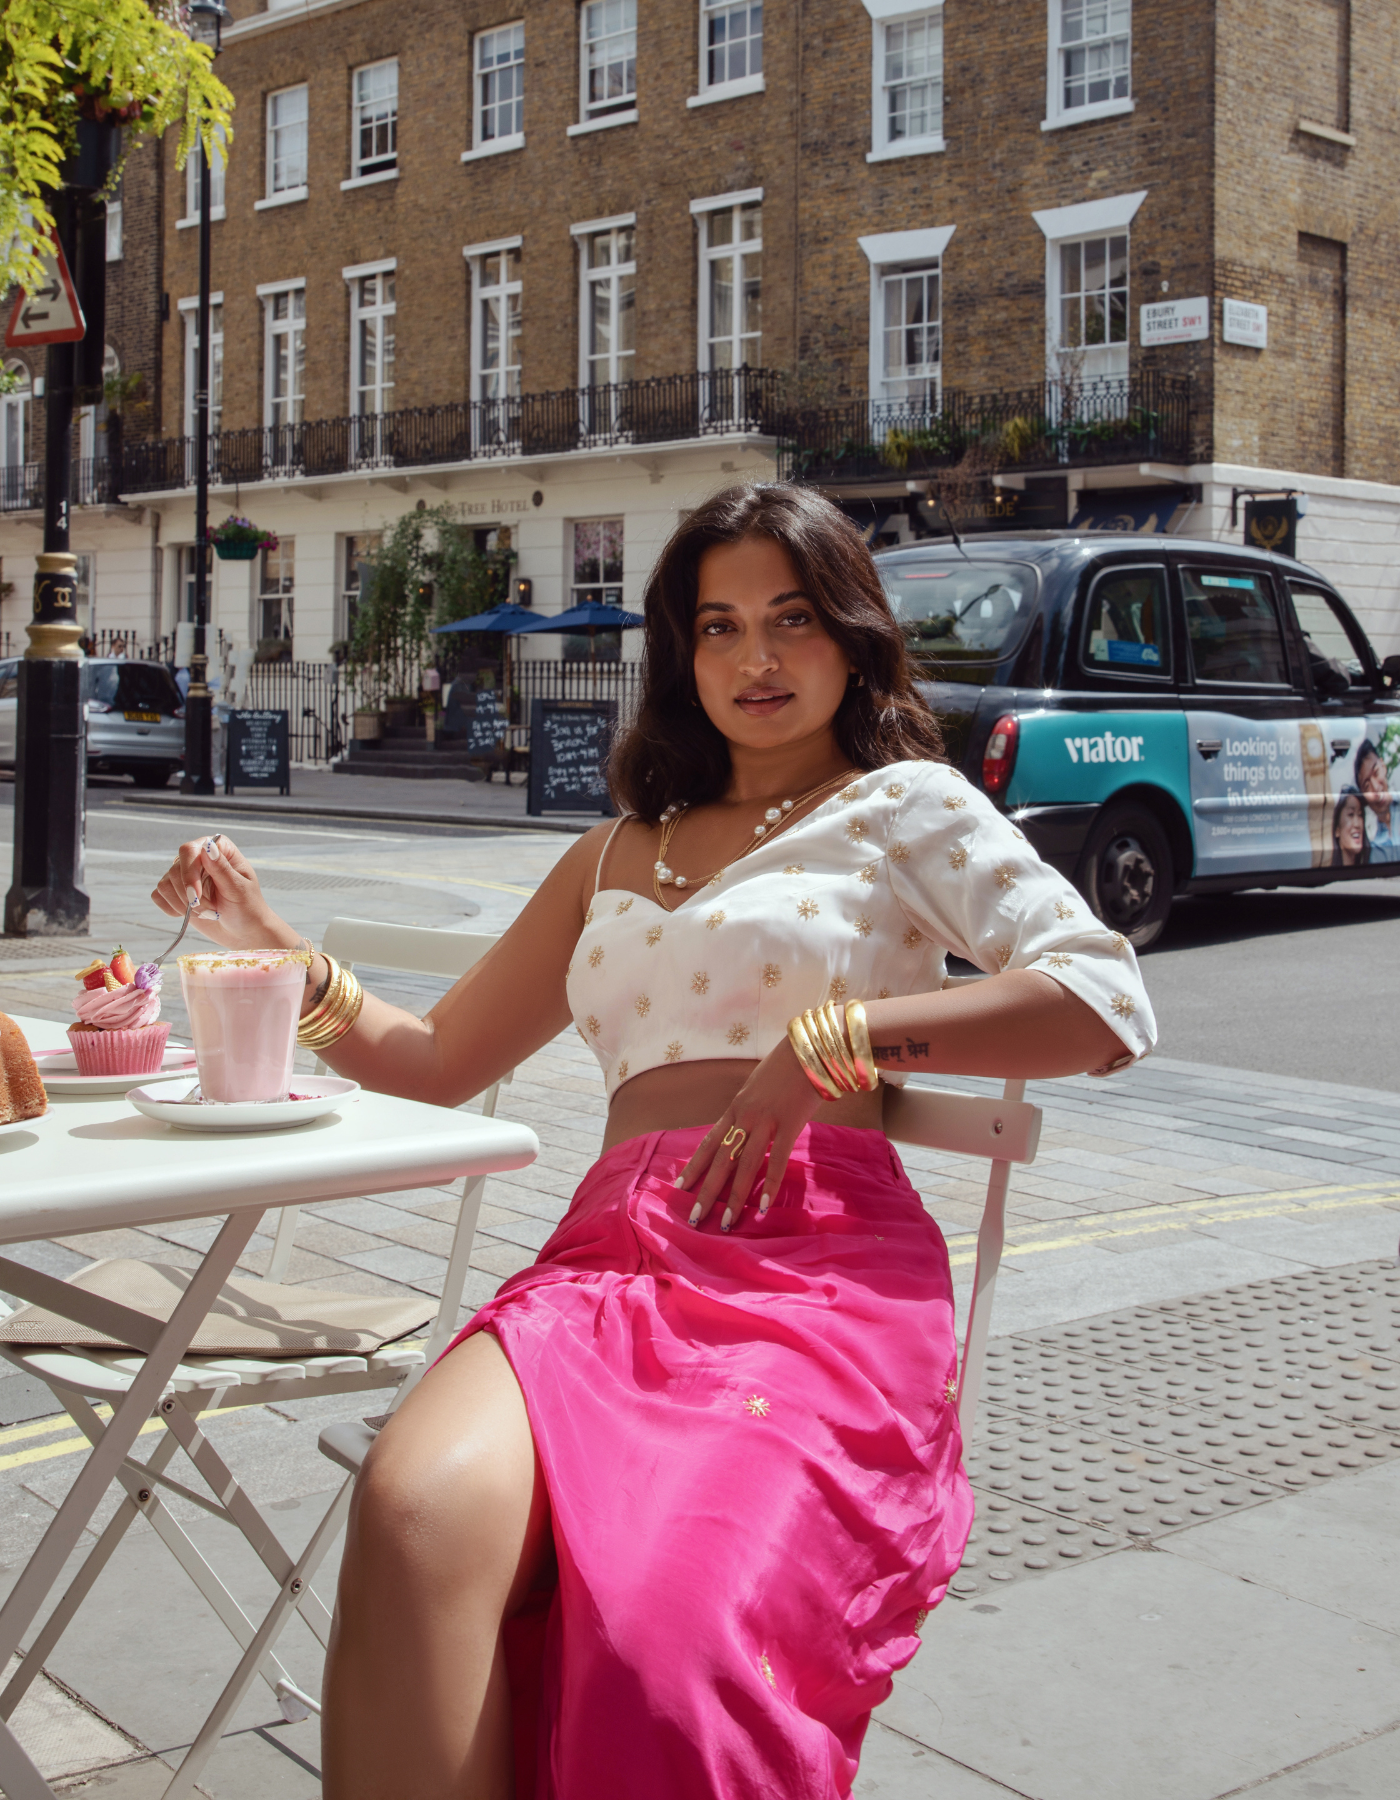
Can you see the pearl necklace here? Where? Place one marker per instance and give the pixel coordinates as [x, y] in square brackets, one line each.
[773, 817]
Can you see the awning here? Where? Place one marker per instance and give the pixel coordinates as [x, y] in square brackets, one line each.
[1131, 509]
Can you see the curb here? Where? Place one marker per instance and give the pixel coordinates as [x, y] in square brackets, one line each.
[487, 821]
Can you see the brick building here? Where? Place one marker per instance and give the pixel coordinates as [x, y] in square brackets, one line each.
[1064, 260]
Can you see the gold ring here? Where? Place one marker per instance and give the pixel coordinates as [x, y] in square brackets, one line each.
[737, 1136]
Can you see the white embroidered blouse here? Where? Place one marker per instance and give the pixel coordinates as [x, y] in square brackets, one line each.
[861, 899]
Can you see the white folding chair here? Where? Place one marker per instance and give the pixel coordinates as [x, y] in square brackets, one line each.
[84, 1381]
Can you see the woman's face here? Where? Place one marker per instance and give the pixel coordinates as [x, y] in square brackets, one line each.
[1375, 784]
[1351, 829]
[766, 670]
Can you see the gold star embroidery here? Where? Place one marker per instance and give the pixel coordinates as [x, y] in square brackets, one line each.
[1057, 961]
[957, 859]
[592, 1025]
[1063, 910]
[595, 956]
[1123, 1006]
[864, 926]
[767, 1671]
[794, 869]
[624, 906]
[714, 921]
[772, 974]
[643, 1005]
[848, 793]
[588, 917]
[1120, 943]
[1015, 832]
[838, 988]
[883, 994]
[700, 983]
[716, 878]
[869, 872]
[895, 791]
[674, 1052]
[950, 1389]
[857, 830]
[897, 852]
[757, 1406]
[738, 1034]
[954, 802]
[1003, 955]
[1005, 876]
[579, 1030]
[653, 936]
[920, 1619]
[912, 939]
[622, 1071]
[807, 909]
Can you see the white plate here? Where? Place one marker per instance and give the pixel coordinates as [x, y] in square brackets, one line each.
[169, 1102]
[59, 1072]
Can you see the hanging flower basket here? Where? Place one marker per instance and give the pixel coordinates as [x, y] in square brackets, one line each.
[239, 540]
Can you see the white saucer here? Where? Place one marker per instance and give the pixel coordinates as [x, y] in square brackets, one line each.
[59, 1073]
[169, 1102]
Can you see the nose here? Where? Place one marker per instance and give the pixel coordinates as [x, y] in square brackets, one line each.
[758, 652]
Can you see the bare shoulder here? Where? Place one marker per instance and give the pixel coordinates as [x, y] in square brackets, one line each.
[572, 878]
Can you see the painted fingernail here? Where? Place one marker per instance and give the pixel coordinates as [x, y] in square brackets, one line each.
[727, 1221]
[207, 913]
[211, 849]
[767, 1199]
[695, 1213]
[680, 1179]
[192, 895]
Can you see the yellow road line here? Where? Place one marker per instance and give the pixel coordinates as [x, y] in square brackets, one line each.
[68, 1446]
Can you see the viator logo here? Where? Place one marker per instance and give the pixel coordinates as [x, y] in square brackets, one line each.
[1105, 749]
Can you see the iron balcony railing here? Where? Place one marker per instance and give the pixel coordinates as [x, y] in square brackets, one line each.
[1051, 425]
[22, 484]
[664, 409]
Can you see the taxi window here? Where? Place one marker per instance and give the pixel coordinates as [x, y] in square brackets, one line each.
[1233, 628]
[961, 613]
[1126, 628]
[1325, 633]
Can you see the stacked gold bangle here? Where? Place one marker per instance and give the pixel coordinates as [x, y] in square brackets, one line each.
[335, 1012]
[834, 1049]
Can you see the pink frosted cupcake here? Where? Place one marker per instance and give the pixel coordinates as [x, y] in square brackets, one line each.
[119, 1030]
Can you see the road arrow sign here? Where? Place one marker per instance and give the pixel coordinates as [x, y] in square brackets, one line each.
[49, 313]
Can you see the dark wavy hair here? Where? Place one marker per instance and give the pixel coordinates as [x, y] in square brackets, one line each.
[671, 750]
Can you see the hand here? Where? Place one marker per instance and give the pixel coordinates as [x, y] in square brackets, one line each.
[229, 906]
[770, 1109]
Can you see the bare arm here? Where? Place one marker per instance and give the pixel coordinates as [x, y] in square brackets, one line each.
[501, 1011]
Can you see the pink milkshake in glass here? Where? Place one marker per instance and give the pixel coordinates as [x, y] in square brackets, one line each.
[243, 1007]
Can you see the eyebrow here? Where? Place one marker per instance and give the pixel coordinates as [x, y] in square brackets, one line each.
[777, 600]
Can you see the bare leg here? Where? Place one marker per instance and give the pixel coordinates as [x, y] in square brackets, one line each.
[450, 1521]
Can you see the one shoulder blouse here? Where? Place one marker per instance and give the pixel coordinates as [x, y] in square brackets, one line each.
[863, 898]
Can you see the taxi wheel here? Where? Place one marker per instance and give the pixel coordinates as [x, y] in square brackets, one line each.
[1126, 873]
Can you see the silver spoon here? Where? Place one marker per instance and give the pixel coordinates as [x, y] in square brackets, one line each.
[184, 927]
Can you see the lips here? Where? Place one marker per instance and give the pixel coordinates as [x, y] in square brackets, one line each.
[762, 702]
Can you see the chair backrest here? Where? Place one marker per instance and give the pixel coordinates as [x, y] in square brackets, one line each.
[407, 949]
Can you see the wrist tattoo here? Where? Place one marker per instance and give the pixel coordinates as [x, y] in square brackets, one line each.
[896, 1052]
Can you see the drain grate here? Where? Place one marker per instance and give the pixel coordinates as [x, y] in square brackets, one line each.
[1124, 1429]
[315, 881]
[57, 950]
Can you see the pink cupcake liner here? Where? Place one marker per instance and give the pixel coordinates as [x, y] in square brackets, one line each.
[138, 1052]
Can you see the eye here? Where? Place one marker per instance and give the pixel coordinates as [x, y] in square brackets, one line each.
[800, 615]
[713, 627]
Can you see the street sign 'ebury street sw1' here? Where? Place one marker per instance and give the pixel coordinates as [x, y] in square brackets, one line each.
[49, 313]
[1175, 322]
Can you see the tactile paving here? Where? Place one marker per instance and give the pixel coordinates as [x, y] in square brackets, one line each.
[1142, 1423]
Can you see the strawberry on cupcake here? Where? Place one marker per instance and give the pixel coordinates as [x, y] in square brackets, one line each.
[119, 1029]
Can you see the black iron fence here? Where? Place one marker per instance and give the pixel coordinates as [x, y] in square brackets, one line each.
[22, 484]
[1053, 424]
[316, 699]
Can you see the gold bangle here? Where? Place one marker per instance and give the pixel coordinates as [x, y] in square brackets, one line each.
[829, 1034]
[323, 996]
[812, 1066]
[335, 1014]
[862, 1051]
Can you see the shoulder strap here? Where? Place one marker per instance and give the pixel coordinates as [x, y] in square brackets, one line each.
[603, 853]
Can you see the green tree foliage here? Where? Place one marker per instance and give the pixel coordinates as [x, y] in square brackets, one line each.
[119, 62]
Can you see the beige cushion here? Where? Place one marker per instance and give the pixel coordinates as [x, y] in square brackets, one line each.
[249, 1318]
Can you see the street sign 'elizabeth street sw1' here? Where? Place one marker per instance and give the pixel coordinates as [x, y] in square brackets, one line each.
[49, 313]
[1175, 322]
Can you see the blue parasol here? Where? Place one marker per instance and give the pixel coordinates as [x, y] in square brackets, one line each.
[590, 617]
[505, 617]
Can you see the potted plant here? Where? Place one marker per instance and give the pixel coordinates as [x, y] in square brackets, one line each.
[369, 725]
[239, 540]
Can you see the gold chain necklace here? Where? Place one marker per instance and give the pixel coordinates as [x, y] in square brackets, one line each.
[773, 817]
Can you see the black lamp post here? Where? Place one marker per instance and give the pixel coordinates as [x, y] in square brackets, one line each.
[208, 18]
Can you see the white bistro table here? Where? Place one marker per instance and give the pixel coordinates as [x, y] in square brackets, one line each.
[91, 1165]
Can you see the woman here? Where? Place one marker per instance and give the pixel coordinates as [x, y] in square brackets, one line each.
[1349, 841]
[703, 1456]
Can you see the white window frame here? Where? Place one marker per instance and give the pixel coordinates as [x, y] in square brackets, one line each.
[884, 13]
[381, 310]
[710, 91]
[887, 254]
[114, 223]
[602, 115]
[477, 255]
[358, 176]
[1109, 217]
[188, 309]
[701, 211]
[589, 278]
[514, 140]
[284, 196]
[267, 292]
[217, 174]
[17, 404]
[1057, 114]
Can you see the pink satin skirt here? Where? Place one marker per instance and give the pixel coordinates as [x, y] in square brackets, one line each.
[754, 1467]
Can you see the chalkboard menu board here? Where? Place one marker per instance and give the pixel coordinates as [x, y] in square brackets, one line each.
[483, 726]
[259, 753]
[569, 742]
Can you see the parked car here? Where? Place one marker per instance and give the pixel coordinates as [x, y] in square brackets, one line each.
[1160, 716]
[135, 720]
